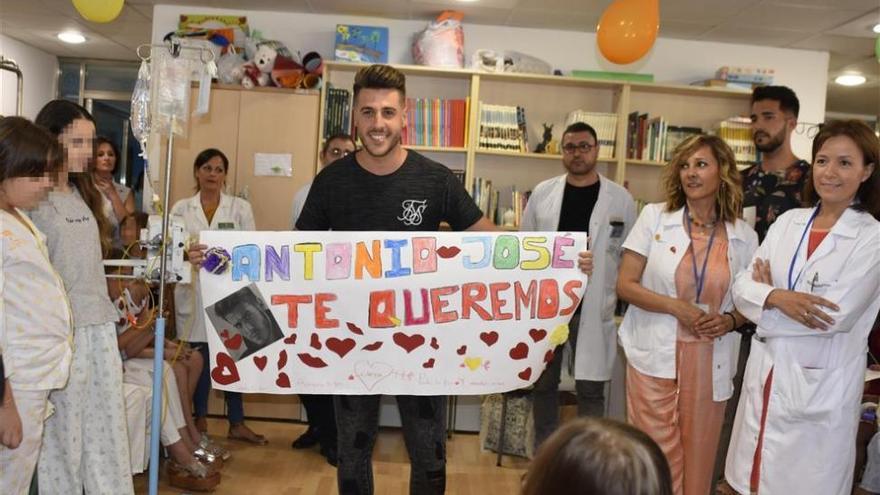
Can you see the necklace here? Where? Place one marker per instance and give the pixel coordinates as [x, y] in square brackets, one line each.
[697, 223]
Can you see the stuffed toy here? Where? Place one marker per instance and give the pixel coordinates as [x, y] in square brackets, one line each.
[287, 73]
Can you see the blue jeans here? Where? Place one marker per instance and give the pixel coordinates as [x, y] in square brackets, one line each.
[234, 406]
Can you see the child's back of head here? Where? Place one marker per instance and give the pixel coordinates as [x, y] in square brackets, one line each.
[599, 457]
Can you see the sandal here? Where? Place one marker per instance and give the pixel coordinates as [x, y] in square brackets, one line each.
[206, 444]
[193, 477]
[246, 435]
[208, 458]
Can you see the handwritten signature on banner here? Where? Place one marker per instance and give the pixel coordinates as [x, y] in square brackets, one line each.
[387, 312]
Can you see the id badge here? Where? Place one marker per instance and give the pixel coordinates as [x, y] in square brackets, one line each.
[616, 229]
[226, 226]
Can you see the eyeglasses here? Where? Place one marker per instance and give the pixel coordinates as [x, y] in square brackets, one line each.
[570, 148]
[339, 152]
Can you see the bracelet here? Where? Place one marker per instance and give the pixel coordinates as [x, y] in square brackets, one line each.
[728, 313]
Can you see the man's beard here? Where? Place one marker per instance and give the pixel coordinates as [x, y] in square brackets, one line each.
[771, 144]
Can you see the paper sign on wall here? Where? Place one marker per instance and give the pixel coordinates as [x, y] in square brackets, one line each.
[273, 164]
[418, 313]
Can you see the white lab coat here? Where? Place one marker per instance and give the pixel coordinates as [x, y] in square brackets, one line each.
[596, 347]
[648, 338]
[818, 376]
[299, 201]
[233, 214]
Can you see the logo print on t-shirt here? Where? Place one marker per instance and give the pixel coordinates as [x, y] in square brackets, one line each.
[412, 211]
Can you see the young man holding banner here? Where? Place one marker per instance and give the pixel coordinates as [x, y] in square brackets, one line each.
[384, 187]
[582, 200]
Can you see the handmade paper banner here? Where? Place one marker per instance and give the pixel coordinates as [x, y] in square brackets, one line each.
[417, 313]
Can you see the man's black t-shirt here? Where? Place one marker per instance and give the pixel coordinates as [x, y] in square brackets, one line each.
[417, 196]
[577, 207]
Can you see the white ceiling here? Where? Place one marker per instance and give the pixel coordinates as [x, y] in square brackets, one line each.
[842, 27]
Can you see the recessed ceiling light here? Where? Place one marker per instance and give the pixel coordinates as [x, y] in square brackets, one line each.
[71, 37]
[850, 79]
[877, 28]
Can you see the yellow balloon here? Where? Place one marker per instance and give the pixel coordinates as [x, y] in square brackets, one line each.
[101, 11]
[627, 30]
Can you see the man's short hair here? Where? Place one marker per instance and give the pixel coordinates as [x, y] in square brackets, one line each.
[581, 127]
[788, 101]
[379, 76]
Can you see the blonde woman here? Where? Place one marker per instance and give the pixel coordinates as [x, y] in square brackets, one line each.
[676, 272]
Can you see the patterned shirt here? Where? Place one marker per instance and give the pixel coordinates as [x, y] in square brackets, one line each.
[773, 193]
[36, 334]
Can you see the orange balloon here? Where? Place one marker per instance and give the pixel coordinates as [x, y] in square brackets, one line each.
[628, 29]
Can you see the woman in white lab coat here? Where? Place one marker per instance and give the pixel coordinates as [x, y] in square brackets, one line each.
[679, 263]
[813, 291]
[210, 209]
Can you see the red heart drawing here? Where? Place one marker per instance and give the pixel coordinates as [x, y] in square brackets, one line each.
[521, 351]
[525, 374]
[311, 361]
[225, 372]
[434, 343]
[316, 342]
[373, 347]
[549, 356]
[354, 328]
[291, 339]
[428, 364]
[461, 350]
[340, 347]
[447, 252]
[261, 361]
[282, 381]
[282, 359]
[537, 334]
[408, 342]
[234, 342]
[489, 338]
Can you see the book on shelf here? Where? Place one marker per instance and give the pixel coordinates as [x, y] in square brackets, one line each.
[502, 127]
[605, 125]
[675, 135]
[721, 83]
[653, 138]
[495, 203]
[435, 122]
[737, 132]
[337, 112]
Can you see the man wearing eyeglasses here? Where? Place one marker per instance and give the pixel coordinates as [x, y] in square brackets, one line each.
[335, 147]
[582, 200]
[319, 408]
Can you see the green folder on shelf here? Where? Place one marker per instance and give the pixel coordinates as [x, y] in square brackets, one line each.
[613, 76]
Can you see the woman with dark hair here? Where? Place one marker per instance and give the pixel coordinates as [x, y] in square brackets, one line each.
[117, 199]
[598, 456]
[813, 290]
[85, 442]
[210, 209]
[679, 263]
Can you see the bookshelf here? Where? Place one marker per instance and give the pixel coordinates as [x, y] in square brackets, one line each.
[549, 99]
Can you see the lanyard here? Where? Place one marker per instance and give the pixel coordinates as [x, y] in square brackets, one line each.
[794, 257]
[699, 278]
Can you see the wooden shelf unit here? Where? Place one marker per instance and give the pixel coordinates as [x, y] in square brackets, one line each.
[548, 99]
